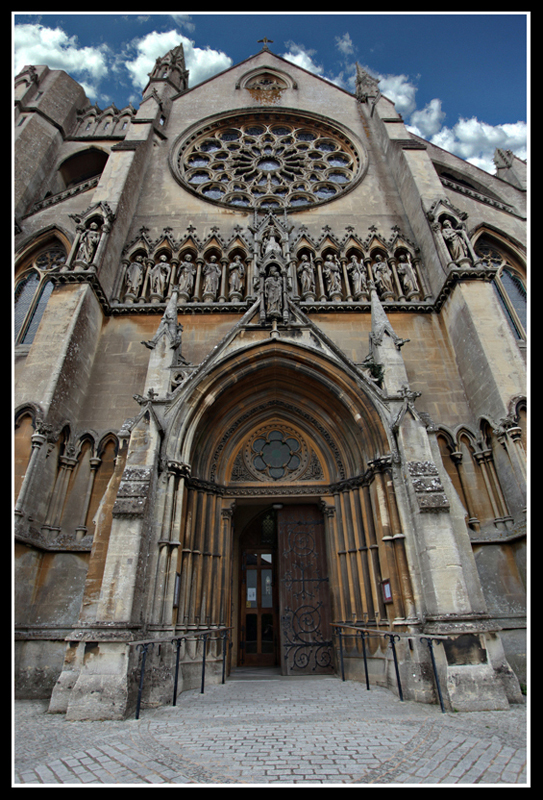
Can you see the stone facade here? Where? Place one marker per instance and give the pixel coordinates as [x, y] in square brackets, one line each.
[243, 300]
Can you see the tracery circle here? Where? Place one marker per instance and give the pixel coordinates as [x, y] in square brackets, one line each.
[276, 453]
[268, 161]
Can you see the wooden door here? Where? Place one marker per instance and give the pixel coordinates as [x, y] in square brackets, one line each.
[304, 595]
[258, 599]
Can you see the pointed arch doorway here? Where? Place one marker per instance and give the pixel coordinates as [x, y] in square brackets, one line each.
[283, 589]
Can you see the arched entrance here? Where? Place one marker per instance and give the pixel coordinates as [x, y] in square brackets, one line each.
[275, 428]
[285, 611]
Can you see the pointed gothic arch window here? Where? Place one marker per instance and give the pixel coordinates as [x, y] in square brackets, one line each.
[510, 283]
[33, 288]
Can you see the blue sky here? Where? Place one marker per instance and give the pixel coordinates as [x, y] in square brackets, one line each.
[459, 80]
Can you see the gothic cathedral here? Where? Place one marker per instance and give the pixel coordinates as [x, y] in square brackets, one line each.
[269, 365]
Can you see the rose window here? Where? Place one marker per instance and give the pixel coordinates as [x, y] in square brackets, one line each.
[276, 453]
[268, 161]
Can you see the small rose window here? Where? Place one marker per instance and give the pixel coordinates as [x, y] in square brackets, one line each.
[276, 455]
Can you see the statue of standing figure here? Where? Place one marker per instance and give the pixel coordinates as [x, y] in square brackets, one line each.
[273, 292]
[159, 277]
[357, 273]
[332, 273]
[455, 242]
[383, 277]
[236, 271]
[407, 276]
[187, 271]
[134, 276]
[89, 244]
[212, 277]
[306, 274]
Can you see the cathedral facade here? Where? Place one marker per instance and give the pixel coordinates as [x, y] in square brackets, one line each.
[270, 385]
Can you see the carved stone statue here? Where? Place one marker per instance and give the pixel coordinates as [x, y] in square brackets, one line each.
[455, 242]
[271, 246]
[383, 277]
[187, 271]
[273, 292]
[134, 276]
[236, 271]
[357, 273]
[212, 277]
[159, 277]
[306, 274]
[89, 244]
[407, 276]
[332, 274]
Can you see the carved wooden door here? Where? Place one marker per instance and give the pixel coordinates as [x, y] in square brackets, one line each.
[304, 595]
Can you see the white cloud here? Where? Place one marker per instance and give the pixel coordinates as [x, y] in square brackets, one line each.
[202, 64]
[37, 44]
[345, 44]
[427, 121]
[302, 57]
[400, 90]
[476, 141]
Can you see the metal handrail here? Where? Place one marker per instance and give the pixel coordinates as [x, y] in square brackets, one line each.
[393, 637]
[189, 635]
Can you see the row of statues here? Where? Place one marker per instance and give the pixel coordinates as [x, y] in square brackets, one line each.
[156, 281]
[359, 276]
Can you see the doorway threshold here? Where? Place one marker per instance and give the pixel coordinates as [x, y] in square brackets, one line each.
[255, 674]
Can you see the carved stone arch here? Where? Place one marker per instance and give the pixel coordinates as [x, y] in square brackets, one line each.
[251, 78]
[278, 374]
[51, 237]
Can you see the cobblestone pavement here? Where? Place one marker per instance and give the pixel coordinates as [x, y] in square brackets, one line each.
[317, 730]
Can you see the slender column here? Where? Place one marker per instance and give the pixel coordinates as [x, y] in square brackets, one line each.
[58, 497]
[186, 560]
[355, 579]
[473, 522]
[332, 538]
[363, 549]
[197, 556]
[226, 565]
[224, 279]
[82, 527]
[387, 539]
[506, 516]
[399, 549]
[38, 439]
[367, 511]
[482, 460]
[344, 565]
[208, 537]
[348, 293]
[196, 296]
[320, 281]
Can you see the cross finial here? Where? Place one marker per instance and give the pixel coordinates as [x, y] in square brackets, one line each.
[265, 41]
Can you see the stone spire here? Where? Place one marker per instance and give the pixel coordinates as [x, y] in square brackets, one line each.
[366, 85]
[169, 70]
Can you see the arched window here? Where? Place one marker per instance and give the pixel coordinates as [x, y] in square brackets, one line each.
[510, 284]
[32, 291]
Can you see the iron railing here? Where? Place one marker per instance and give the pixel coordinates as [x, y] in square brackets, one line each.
[367, 633]
[193, 635]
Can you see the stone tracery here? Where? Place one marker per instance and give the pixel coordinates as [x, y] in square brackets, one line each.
[284, 163]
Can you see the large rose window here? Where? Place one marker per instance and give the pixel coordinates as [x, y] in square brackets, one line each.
[271, 161]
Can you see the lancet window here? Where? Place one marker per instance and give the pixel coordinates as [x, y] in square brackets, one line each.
[32, 291]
